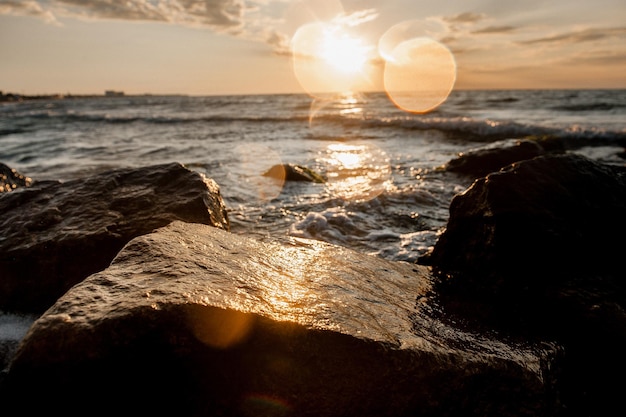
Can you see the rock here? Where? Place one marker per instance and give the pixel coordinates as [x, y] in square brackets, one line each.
[55, 235]
[10, 179]
[291, 172]
[534, 250]
[492, 158]
[194, 321]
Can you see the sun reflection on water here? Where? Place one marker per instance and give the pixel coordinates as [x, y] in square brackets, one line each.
[356, 171]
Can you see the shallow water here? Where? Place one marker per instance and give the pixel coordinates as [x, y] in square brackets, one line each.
[383, 195]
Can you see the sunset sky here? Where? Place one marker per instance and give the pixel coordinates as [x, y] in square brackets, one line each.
[206, 47]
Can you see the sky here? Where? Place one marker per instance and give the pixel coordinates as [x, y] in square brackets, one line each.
[213, 47]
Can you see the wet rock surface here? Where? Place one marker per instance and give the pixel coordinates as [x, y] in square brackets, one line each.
[56, 234]
[486, 159]
[292, 172]
[534, 250]
[205, 322]
[483, 161]
[11, 179]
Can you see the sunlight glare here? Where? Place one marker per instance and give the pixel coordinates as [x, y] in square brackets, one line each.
[343, 52]
[356, 171]
[328, 60]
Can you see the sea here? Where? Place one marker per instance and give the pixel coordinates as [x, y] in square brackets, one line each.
[384, 193]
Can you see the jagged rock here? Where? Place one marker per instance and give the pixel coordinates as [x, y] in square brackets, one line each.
[10, 179]
[291, 172]
[55, 235]
[195, 321]
[535, 251]
[482, 161]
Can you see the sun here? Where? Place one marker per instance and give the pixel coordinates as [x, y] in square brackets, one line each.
[343, 52]
[329, 59]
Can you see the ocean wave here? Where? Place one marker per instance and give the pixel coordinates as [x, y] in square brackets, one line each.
[12, 131]
[124, 119]
[583, 107]
[488, 130]
[337, 226]
[374, 122]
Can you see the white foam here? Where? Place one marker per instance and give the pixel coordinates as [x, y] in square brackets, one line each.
[411, 246]
[333, 225]
[13, 327]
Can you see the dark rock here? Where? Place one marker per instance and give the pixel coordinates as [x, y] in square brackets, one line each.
[535, 250]
[291, 172]
[10, 179]
[482, 161]
[209, 323]
[55, 235]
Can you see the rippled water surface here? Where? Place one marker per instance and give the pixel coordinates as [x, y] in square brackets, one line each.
[383, 194]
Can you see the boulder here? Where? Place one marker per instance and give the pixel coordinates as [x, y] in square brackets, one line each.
[534, 250]
[56, 234]
[292, 172]
[482, 161]
[194, 321]
[10, 179]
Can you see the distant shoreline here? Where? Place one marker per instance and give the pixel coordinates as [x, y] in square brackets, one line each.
[9, 97]
[15, 97]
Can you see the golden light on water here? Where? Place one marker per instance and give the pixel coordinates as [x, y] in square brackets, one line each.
[356, 171]
[331, 61]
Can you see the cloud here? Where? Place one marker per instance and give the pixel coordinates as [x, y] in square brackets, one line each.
[254, 20]
[574, 37]
[111, 9]
[279, 42]
[26, 8]
[217, 14]
[494, 29]
[214, 13]
[467, 17]
[357, 18]
[602, 58]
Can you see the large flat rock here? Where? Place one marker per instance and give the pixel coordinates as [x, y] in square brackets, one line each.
[56, 234]
[194, 321]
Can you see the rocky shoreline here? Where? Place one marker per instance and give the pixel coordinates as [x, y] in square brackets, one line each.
[148, 304]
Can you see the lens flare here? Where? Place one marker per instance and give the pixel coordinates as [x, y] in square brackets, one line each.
[254, 161]
[345, 53]
[419, 75]
[338, 118]
[328, 60]
[218, 328]
[255, 405]
[407, 30]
